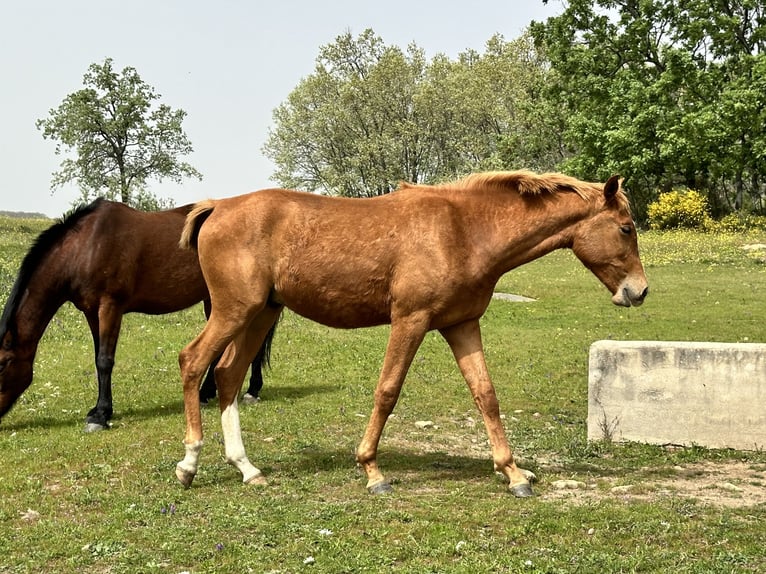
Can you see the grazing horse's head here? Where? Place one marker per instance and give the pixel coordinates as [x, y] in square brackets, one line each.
[15, 373]
[606, 243]
[19, 337]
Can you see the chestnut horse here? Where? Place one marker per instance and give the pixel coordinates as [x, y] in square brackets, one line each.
[107, 259]
[421, 258]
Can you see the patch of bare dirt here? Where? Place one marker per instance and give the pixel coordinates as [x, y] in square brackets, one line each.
[459, 446]
[729, 484]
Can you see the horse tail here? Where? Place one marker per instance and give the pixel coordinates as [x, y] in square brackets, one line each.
[196, 217]
[266, 347]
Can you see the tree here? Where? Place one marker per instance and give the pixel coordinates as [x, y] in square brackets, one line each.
[665, 92]
[119, 139]
[371, 115]
[350, 127]
[515, 75]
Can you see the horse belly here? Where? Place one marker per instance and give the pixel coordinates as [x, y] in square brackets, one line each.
[343, 306]
[168, 289]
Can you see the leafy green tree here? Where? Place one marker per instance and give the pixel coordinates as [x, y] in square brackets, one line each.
[119, 139]
[529, 133]
[350, 127]
[371, 115]
[665, 92]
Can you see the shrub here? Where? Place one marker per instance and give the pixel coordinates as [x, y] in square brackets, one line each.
[679, 209]
[738, 222]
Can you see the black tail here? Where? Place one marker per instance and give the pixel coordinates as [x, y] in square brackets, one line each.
[266, 347]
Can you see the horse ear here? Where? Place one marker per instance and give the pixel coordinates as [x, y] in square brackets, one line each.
[611, 187]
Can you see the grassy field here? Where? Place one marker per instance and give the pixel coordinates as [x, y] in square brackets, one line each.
[109, 502]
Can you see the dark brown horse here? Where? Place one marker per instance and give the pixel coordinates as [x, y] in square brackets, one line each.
[421, 258]
[107, 259]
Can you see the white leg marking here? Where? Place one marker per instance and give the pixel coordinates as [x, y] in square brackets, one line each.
[235, 450]
[186, 470]
[191, 460]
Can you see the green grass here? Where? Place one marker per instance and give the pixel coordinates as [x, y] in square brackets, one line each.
[109, 502]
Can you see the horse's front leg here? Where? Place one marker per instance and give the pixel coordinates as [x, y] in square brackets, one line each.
[105, 330]
[465, 342]
[403, 342]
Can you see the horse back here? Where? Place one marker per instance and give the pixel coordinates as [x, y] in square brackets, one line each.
[131, 257]
[339, 261]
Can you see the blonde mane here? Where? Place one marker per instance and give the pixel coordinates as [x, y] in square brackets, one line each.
[529, 183]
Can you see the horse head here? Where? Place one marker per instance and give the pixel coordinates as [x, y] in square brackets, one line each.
[15, 373]
[607, 244]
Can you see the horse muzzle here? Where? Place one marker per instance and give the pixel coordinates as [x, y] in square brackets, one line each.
[628, 296]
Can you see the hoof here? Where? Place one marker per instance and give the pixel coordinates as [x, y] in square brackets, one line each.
[184, 476]
[380, 488]
[95, 427]
[249, 399]
[522, 490]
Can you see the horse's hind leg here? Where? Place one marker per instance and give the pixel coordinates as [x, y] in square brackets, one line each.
[208, 389]
[194, 360]
[256, 378]
[261, 361]
[230, 374]
[465, 342]
[105, 330]
[403, 342]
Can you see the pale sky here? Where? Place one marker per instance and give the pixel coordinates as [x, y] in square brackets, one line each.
[228, 64]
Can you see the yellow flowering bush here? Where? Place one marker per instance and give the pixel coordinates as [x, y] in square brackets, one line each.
[679, 209]
[738, 222]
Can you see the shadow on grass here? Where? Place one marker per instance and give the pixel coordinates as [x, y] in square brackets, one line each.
[396, 461]
[41, 420]
[400, 467]
[292, 392]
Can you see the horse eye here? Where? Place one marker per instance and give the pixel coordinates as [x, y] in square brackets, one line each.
[626, 229]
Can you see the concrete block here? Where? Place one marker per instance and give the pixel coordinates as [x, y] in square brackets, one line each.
[660, 392]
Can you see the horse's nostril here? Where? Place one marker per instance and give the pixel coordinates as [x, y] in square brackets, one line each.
[644, 293]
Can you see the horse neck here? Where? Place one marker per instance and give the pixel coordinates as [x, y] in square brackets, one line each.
[526, 229]
[33, 314]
